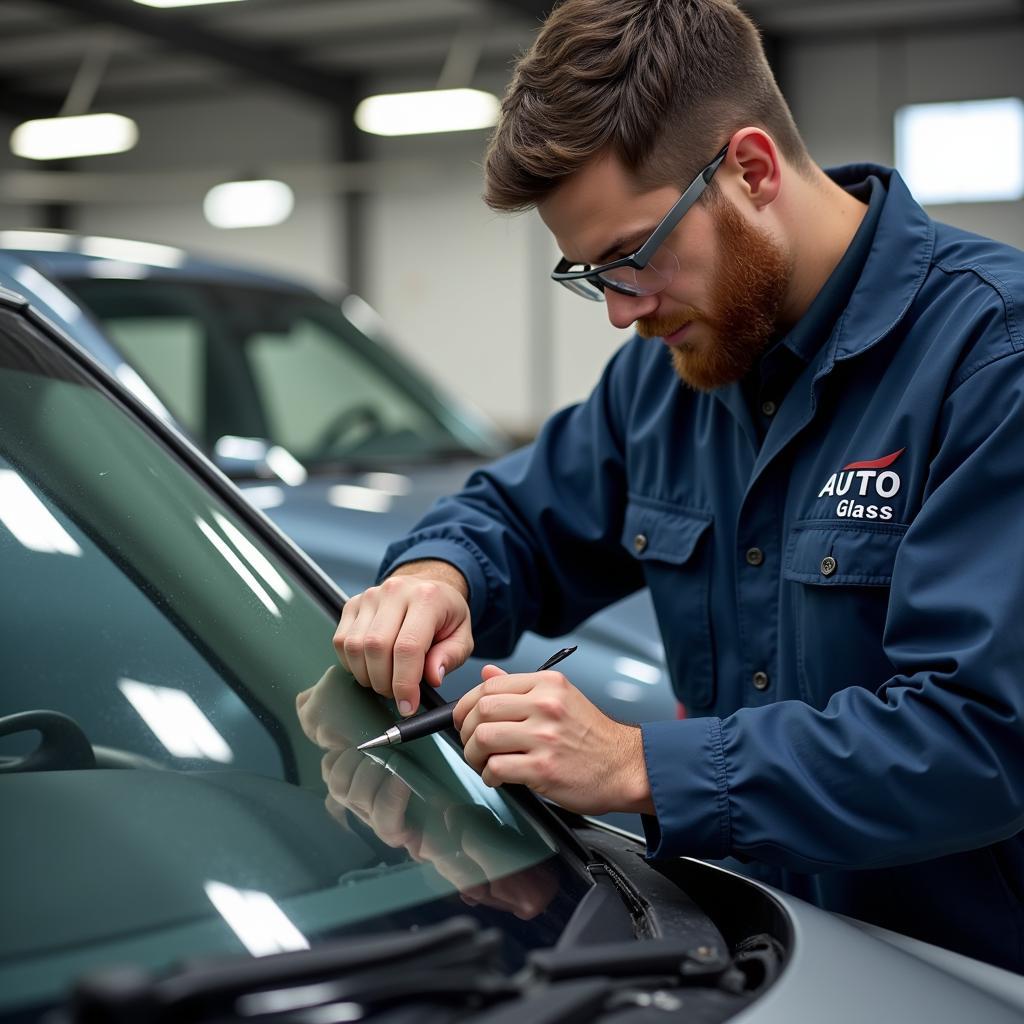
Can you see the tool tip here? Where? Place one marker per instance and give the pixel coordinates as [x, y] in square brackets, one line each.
[377, 741]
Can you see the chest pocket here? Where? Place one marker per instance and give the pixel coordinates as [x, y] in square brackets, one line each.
[673, 544]
[838, 576]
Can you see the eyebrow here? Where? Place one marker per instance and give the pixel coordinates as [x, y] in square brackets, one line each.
[625, 245]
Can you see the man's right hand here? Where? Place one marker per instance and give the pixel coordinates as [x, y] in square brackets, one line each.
[414, 625]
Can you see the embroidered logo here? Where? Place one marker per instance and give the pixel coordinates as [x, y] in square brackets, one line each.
[872, 479]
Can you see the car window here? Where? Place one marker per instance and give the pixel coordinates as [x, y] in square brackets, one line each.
[255, 362]
[177, 764]
[169, 350]
[320, 399]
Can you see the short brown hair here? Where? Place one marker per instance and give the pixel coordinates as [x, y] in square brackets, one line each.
[660, 83]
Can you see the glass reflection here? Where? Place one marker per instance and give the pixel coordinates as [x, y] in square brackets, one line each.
[399, 796]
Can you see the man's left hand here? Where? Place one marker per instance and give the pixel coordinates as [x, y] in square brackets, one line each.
[539, 730]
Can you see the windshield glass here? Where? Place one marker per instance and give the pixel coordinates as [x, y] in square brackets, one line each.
[229, 360]
[177, 768]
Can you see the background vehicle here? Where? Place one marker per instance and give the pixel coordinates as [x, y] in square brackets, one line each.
[178, 782]
[303, 404]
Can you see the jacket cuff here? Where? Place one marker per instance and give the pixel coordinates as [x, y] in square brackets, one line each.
[689, 786]
[457, 553]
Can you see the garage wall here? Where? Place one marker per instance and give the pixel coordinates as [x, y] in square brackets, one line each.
[248, 136]
[844, 95]
[465, 291]
[467, 294]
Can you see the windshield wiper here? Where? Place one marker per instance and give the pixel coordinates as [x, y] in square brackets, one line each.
[439, 957]
[451, 963]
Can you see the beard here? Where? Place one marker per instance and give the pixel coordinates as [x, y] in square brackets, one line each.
[751, 280]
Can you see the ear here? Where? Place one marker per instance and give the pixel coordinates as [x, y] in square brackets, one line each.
[754, 156]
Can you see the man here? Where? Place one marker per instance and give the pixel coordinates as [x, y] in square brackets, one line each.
[826, 508]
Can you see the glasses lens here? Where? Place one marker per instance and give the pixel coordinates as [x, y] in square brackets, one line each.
[581, 286]
[653, 278]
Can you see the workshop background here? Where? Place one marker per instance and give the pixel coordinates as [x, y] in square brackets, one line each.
[239, 90]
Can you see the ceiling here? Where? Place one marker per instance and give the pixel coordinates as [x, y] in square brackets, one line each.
[328, 51]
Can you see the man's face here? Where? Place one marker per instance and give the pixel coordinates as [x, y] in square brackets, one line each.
[719, 310]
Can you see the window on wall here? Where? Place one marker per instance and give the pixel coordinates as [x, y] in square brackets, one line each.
[966, 152]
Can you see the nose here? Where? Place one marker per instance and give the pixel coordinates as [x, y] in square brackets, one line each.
[624, 310]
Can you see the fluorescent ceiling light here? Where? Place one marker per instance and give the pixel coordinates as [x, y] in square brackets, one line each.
[267, 496]
[260, 924]
[176, 721]
[641, 670]
[236, 563]
[128, 251]
[63, 138]
[390, 483]
[623, 690]
[248, 204]
[970, 152]
[420, 113]
[363, 499]
[36, 241]
[255, 557]
[182, 3]
[30, 520]
[286, 466]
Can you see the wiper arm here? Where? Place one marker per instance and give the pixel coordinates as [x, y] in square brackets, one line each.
[349, 969]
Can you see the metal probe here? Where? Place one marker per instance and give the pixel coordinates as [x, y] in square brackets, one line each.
[437, 718]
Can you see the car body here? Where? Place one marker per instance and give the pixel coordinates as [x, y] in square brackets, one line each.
[254, 368]
[194, 837]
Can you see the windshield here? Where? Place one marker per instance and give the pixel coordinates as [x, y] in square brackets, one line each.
[177, 768]
[287, 366]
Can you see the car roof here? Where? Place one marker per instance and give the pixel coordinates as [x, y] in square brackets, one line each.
[68, 254]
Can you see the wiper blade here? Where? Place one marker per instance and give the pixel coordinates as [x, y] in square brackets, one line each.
[213, 987]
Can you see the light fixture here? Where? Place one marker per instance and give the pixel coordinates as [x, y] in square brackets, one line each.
[38, 241]
[362, 499]
[237, 564]
[182, 3]
[248, 204]
[177, 721]
[30, 520]
[64, 138]
[967, 152]
[260, 924]
[422, 113]
[125, 250]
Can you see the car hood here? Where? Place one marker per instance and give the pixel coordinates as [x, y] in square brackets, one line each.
[345, 522]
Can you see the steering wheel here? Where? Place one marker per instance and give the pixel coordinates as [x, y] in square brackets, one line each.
[63, 746]
[363, 416]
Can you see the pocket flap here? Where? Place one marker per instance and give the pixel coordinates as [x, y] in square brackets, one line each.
[837, 554]
[666, 533]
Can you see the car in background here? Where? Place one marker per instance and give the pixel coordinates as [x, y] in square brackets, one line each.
[303, 403]
[190, 835]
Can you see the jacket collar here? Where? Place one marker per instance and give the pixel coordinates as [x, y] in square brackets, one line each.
[897, 264]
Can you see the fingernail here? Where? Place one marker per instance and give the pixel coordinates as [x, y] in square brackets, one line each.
[440, 673]
[405, 707]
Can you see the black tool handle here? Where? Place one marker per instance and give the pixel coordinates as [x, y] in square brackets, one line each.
[441, 718]
[426, 724]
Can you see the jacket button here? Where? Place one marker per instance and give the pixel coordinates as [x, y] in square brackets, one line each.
[640, 543]
[760, 680]
[768, 408]
[755, 556]
[828, 565]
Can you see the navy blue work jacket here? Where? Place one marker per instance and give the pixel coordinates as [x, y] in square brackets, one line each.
[841, 603]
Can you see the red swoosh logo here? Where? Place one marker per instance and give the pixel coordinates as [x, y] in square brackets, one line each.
[882, 463]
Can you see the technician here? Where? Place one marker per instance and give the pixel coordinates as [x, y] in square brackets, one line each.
[812, 453]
